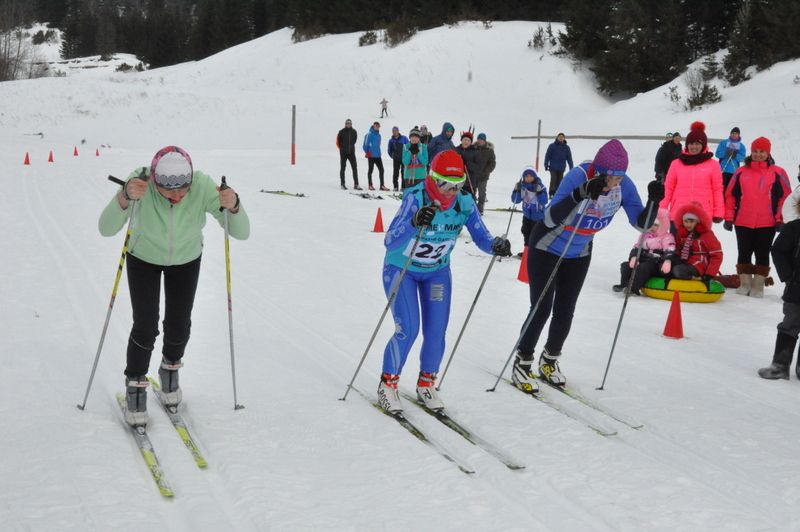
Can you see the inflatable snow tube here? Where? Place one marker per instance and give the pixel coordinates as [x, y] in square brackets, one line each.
[689, 291]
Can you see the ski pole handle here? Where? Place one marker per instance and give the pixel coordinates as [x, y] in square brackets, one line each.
[116, 180]
[223, 186]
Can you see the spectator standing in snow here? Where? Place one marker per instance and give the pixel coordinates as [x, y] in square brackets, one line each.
[530, 190]
[486, 165]
[384, 108]
[415, 160]
[556, 159]
[695, 176]
[372, 151]
[731, 153]
[395, 151]
[753, 204]
[470, 156]
[790, 211]
[668, 152]
[443, 141]
[172, 202]
[425, 136]
[346, 142]
[590, 194]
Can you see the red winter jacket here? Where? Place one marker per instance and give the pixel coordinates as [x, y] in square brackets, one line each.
[705, 251]
[754, 197]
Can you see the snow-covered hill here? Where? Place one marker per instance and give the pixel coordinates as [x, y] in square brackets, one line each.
[718, 446]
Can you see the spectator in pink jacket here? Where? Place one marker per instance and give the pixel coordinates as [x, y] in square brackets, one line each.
[753, 204]
[695, 176]
[657, 244]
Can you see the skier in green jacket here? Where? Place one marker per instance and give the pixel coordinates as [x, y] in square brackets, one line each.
[171, 202]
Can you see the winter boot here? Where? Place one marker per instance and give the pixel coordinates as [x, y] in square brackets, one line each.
[784, 351]
[745, 272]
[760, 275]
[426, 391]
[521, 374]
[344, 187]
[549, 370]
[356, 187]
[136, 401]
[168, 375]
[388, 397]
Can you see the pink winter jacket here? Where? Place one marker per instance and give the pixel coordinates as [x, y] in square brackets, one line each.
[697, 182]
[755, 195]
[660, 239]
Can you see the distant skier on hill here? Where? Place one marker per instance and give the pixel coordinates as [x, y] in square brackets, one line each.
[384, 108]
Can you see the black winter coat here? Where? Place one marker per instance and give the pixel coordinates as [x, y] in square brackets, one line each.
[668, 152]
[346, 140]
[786, 258]
[472, 162]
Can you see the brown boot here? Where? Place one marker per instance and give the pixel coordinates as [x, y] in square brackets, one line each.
[745, 272]
[760, 275]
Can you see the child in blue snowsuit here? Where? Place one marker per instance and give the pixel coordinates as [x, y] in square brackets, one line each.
[437, 209]
[530, 190]
[586, 201]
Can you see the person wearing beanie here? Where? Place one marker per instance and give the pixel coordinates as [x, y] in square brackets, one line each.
[730, 152]
[442, 141]
[416, 267]
[656, 245]
[372, 151]
[171, 201]
[668, 152]
[346, 142]
[395, 150]
[698, 253]
[754, 206]
[556, 159]
[531, 191]
[471, 160]
[486, 165]
[415, 160]
[695, 176]
[560, 246]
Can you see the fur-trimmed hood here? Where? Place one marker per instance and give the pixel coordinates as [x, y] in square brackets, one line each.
[703, 226]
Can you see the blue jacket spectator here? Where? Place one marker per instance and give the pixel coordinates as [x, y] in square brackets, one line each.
[558, 155]
[731, 153]
[372, 142]
[395, 146]
[442, 142]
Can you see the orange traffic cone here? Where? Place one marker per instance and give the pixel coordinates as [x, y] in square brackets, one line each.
[50, 158]
[97, 152]
[27, 159]
[674, 325]
[378, 222]
[523, 267]
[75, 151]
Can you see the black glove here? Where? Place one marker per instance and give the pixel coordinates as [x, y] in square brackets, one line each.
[501, 246]
[728, 226]
[655, 191]
[591, 188]
[424, 216]
[414, 148]
[778, 227]
[716, 219]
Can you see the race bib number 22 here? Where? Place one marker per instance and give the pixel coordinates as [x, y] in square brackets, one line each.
[429, 252]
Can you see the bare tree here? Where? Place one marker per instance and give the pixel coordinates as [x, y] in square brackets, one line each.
[13, 50]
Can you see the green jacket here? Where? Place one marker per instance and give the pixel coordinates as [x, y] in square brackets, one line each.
[167, 234]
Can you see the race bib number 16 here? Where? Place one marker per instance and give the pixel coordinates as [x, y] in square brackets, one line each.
[429, 252]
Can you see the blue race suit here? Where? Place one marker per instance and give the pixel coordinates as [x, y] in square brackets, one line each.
[427, 283]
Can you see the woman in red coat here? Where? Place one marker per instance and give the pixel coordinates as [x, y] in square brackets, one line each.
[753, 203]
[698, 253]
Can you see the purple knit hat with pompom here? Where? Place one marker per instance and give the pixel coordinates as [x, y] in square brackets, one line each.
[611, 159]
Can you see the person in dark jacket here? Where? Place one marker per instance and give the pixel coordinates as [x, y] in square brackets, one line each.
[471, 161]
[556, 159]
[786, 258]
[425, 136]
[346, 142]
[486, 164]
[668, 152]
[442, 142]
[395, 151]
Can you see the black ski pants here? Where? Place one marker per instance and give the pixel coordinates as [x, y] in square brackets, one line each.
[397, 172]
[372, 163]
[343, 158]
[144, 282]
[561, 298]
[756, 242]
[555, 180]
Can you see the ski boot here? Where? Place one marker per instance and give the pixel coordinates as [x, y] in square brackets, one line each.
[521, 374]
[426, 391]
[136, 401]
[388, 397]
[168, 375]
[549, 370]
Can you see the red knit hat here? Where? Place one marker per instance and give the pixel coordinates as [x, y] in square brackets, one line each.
[697, 134]
[761, 143]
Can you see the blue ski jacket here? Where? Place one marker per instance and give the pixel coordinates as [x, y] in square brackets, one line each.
[372, 143]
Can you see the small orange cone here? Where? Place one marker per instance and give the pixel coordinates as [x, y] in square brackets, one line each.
[674, 325]
[50, 158]
[523, 267]
[27, 159]
[378, 222]
[75, 151]
[97, 152]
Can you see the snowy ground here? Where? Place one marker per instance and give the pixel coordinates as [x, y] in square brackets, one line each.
[719, 447]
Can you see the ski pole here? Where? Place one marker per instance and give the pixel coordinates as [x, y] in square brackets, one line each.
[132, 206]
[474, 302]
[627, 296]
[532, 312]
[392, 296]
[223, 186]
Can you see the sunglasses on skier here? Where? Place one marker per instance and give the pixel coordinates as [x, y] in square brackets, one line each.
[448, 183]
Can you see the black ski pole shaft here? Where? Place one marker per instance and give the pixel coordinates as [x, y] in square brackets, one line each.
[627, 295]
[223, 186]
[533, 310]
[131, 205]
[474, 302]
[392, 296]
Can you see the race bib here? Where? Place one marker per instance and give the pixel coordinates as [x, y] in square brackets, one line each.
[429, 252]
